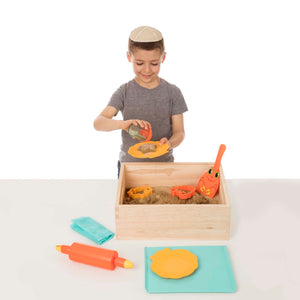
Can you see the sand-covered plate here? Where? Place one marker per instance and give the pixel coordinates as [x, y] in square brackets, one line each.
[148, 149]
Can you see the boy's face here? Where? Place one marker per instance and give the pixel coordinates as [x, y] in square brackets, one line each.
[146, 66]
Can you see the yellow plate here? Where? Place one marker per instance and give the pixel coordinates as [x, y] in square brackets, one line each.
[174, 264]
[160, 150]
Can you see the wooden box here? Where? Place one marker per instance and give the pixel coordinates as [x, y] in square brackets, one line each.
[170, 221]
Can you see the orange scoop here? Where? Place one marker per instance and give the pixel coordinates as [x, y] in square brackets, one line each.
[209, 182]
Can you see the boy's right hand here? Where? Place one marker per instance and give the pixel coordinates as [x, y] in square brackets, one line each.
[136, 122]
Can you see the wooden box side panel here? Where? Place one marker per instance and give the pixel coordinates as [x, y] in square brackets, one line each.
[223, 192]
[203, 222]
[121, 186]
[164, 174]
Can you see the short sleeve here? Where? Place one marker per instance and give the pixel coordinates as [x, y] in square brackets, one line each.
[178, 102]
[117, 99]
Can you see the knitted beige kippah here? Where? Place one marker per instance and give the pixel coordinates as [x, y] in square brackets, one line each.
[145, 34]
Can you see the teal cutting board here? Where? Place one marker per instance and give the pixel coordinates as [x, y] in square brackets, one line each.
[214, 273]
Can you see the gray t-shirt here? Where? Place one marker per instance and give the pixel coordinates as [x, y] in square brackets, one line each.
[157, 106]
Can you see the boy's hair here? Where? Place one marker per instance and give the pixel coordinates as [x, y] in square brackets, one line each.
[132, 45]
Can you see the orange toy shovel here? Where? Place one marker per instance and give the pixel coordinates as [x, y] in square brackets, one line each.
[209, 182]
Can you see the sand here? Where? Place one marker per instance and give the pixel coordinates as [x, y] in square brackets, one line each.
[162, 195]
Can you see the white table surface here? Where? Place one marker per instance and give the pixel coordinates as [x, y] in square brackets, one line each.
[35, 216]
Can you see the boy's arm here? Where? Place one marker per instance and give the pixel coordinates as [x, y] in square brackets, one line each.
[105, 122]
[178, 132]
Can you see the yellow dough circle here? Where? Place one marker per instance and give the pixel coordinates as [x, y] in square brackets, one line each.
[174, 264]
[159, 150]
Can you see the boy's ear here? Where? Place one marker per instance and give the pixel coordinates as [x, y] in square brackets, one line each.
[164, 57]
[128, 56]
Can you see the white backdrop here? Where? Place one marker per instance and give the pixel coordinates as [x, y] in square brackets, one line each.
[236, 62]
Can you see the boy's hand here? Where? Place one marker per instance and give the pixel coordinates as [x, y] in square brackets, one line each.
[164, 140]
[141, 123]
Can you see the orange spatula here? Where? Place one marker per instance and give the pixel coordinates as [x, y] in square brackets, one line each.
[209, 182]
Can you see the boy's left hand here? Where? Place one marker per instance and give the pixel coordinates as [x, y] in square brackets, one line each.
[164, 140]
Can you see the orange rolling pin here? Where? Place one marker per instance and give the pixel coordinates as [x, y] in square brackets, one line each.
[94, 256]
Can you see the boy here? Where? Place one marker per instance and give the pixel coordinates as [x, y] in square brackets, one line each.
[147, 99]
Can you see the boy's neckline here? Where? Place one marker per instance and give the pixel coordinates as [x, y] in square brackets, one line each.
[147, 88]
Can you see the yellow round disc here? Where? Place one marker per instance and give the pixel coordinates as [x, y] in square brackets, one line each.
[148, 149]
[174, 264]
